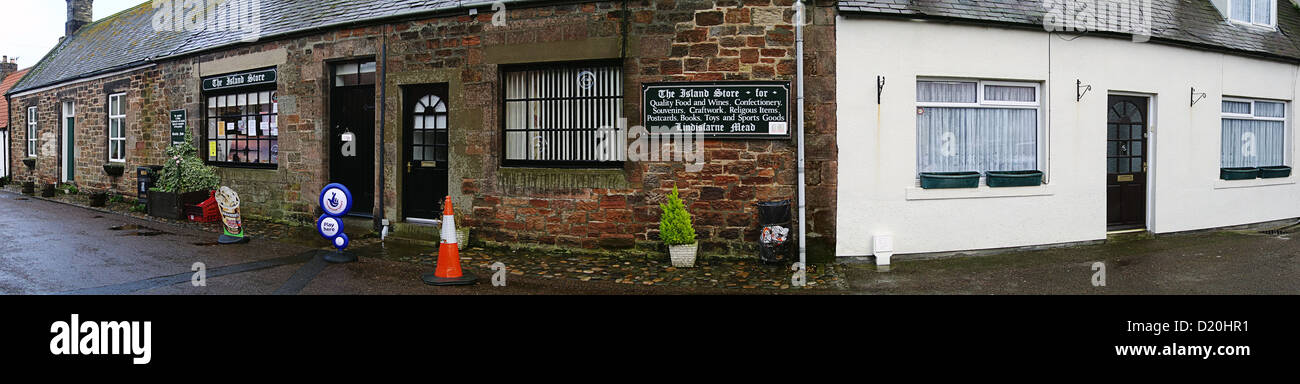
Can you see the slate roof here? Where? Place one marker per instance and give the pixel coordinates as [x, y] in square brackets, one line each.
[127, 39]
[6, 83]
[1194, 23]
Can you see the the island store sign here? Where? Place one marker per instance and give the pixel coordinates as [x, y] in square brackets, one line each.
[258, 77]
[719, 110]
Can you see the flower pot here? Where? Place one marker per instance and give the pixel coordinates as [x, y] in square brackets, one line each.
[98, 199]
[1274, 172]
[30, 163]
[940, 180]
[683, 256]
[1243, 173]
[29, 188]
[998, 179]
[114, 170]
[47, 190]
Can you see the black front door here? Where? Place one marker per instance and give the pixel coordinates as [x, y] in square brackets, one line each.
[352, 143]
[425, 150]
[1126, 163]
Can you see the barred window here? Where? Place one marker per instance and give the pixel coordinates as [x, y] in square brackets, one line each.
[31, 131]
[564, 115]
[117, 128]
[243, 130]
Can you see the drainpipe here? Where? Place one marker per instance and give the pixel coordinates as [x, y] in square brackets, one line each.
[380, 221]
[803, 224]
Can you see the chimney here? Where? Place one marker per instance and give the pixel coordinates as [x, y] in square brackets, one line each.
[7, 67]
[80, 13]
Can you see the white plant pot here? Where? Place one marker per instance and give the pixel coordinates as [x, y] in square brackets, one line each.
[683, 256]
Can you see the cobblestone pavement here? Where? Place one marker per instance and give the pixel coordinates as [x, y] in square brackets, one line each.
[737, 274]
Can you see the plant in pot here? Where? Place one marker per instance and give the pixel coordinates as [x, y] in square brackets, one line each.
[184, 180]
[98, 199]
[4, 181]
[114, 169]
[675, 230]
[29, 188]
[30, 162]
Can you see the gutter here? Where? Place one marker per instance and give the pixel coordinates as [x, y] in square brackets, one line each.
[799, 19]
[1038, 28]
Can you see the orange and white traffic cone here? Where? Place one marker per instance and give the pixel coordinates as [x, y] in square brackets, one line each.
[448, 271]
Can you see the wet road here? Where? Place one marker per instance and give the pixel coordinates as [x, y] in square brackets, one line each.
[53, 248]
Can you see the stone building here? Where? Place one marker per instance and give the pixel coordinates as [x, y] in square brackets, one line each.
[407, 101]
[9, 76]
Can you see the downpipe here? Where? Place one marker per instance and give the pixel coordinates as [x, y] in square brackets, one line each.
[800, 19]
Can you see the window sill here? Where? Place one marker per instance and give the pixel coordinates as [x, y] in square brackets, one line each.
[982, 192]
[1252, 183]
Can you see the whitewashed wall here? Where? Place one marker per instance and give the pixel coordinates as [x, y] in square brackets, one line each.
[878, 192]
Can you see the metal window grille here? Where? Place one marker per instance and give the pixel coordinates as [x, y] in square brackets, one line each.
[564, 115]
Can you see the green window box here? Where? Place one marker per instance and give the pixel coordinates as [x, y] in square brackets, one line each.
[998, 179]
[1274, 172]
[1242, 173]
[941, 180]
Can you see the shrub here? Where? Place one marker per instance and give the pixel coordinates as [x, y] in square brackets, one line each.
[184, 172]
[675, 223]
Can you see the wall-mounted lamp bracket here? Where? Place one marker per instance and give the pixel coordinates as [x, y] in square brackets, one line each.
[880, 88]
[1196, 96]
[1080, 89]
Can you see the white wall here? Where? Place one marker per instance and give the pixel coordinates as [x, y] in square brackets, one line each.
[878, 189]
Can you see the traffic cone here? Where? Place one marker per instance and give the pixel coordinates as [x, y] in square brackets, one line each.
[448, 271]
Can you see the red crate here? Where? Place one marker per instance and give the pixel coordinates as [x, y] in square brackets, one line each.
[205, 212]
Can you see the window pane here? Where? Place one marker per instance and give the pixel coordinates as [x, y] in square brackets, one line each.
[977, 139]
[1270, 109]
[1240, 10]
[1263, 12]
[1253, 143]
[1238, 107]
[945, 92]
[1010, 93]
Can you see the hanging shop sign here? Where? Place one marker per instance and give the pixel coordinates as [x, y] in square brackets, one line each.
[238, 80]
[719, 110]
[178, 118]
[231, 222]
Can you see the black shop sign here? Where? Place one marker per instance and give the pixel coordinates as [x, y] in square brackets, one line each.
[239, 80]
[719, 110]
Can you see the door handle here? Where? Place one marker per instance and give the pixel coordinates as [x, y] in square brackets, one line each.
[408, 167]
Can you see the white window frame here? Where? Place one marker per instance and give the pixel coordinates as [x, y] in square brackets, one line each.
[31, 132]
[1227, 14]
[980, 102]
[121, 127]
[1286, 124]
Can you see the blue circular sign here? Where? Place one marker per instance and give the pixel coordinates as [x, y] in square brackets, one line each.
[335, 200]
[329, 227]
[340, 241]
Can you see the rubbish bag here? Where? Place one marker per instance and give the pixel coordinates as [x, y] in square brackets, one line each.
[774, 240]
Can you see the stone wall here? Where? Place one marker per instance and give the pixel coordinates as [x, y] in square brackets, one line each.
[616, 209]
[147, 132]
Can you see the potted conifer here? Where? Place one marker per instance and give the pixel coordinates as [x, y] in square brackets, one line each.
[675, 230]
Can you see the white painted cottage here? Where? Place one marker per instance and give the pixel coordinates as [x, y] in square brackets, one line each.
[1154, 115]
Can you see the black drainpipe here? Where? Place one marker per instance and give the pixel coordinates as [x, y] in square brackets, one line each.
[383, 102]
